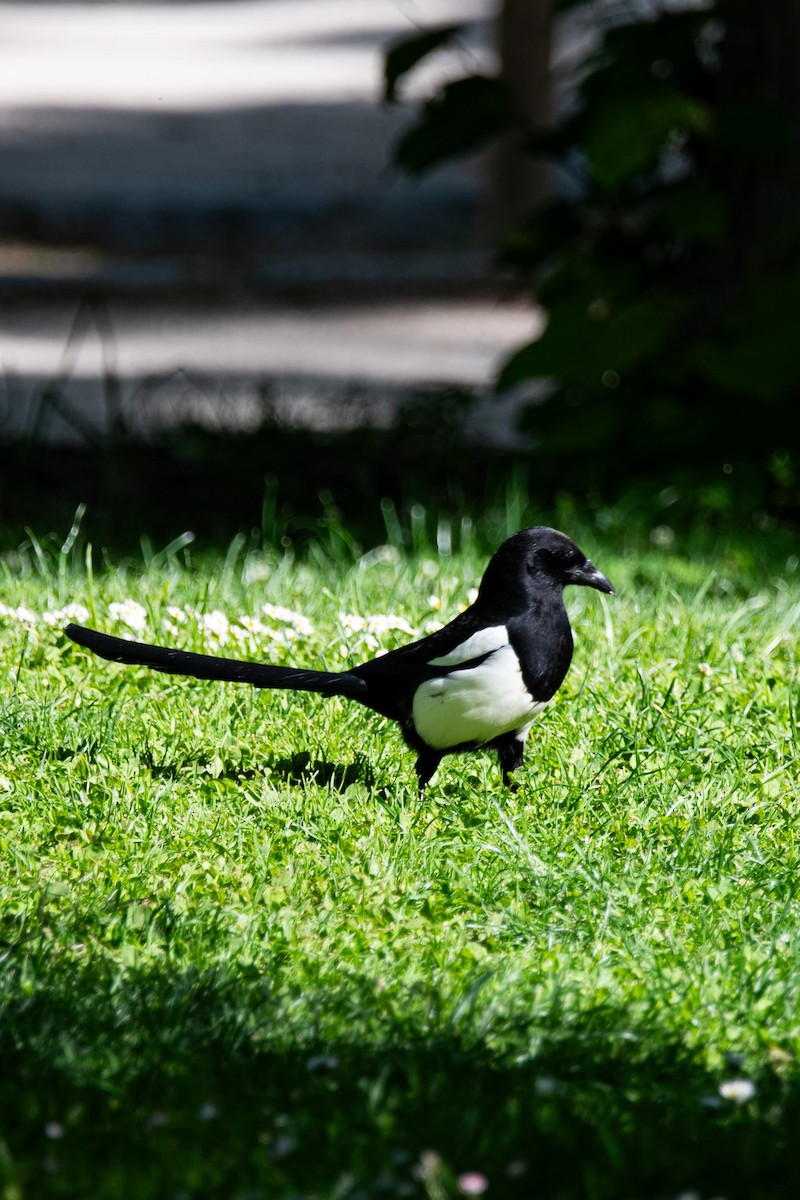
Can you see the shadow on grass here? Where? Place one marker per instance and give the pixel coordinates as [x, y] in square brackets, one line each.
[298, 768]
[301, 766]
[163, 1084]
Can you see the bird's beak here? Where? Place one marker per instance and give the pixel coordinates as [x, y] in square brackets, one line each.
[589, 576]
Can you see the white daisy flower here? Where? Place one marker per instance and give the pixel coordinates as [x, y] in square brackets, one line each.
[128, 612]
[60, 616]
[737, 1090]
[215, 625]
[21, 615]
[472, 1183]
[352, 623]
[252, 626]
[385, 623]
[378, 623]
[288, 616]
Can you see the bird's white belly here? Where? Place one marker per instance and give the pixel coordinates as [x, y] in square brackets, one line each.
[474, 705]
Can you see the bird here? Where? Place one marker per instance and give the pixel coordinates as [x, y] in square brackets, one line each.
[477, 683]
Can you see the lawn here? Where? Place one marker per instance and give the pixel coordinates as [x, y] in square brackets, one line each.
[240, 959]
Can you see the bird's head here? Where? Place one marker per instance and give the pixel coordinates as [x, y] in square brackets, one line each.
[537, 559]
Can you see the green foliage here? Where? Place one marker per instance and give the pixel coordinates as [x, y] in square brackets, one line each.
[239, 959]
[763, 330]
[624, 135]
[669, 344]
[402, 56]
[586, 342]
[461, 117]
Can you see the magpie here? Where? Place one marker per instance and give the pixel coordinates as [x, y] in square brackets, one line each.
[477, 683]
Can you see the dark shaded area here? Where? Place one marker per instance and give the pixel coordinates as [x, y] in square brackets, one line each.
[283, 487]
[182, 1084]
[301, 767]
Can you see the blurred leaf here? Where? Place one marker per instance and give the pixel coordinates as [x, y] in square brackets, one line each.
[775, 299]
[572, 429]
[663, 415]
[692, 210]
[627, 134]
[763, 367]
[460, 117]
[402, 56]
[546, 233]
[756, 354]
[587, 344]
[642, 54]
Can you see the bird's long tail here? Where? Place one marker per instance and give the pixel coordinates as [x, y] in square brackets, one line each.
[205, 666]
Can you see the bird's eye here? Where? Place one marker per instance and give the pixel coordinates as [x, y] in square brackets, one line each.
[553, 562]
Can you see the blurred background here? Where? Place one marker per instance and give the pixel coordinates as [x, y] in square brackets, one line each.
[271, 264]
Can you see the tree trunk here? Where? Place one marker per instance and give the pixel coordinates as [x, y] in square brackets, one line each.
[521, 180]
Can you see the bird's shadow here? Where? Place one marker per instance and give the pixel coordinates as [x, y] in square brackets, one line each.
[300, 767]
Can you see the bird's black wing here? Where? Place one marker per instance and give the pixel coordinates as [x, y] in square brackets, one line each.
[393, 678]
[435, 645]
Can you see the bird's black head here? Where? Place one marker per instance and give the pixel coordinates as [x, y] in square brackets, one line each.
[538, 559]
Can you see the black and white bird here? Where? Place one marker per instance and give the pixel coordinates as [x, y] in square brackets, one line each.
[477, 683]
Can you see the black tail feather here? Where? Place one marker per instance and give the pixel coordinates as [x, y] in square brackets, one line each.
[205, 666]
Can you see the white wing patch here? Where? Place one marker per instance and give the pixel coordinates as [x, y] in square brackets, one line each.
[480, 643]
[478, 703]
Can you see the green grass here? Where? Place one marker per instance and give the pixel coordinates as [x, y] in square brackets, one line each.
[239, 958]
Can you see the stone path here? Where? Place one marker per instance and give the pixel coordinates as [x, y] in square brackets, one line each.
[322, 365]
[219, 171]
[242, 136]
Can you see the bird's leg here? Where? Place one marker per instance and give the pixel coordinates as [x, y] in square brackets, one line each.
[510, 753]
[427, 762]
